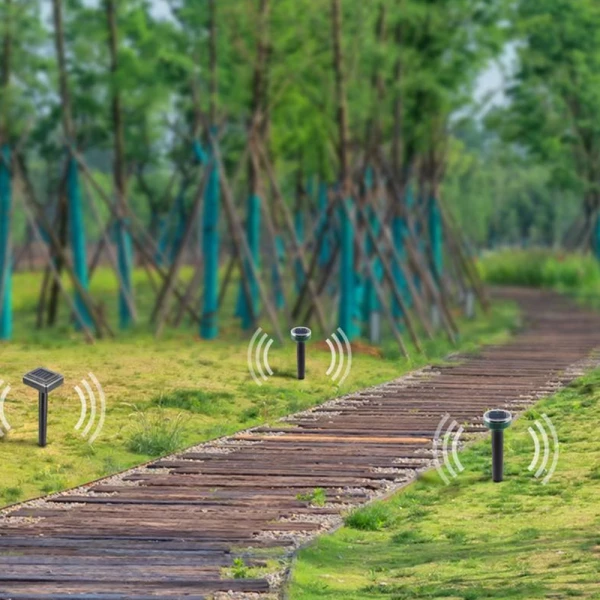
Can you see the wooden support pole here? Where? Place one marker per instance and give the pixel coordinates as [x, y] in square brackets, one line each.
[146, 246]
[159, 312]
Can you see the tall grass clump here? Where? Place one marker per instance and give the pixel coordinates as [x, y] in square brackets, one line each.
[156, 434]
[541, 268]
[373, 517]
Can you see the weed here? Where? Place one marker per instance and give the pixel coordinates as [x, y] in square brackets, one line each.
[316, 497]
[239, 569]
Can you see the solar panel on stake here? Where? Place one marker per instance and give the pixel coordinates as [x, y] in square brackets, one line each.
[44, 381]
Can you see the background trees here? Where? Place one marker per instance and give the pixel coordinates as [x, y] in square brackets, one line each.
[411, 69]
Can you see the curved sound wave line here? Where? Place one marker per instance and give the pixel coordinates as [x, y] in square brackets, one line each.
[455, 442]
[266, 356]
[536, 446]
[436, 441]
[333, 356]
[257, 356]
[92, 417]
[556, 450]
[83, 408]
[349, 355]
[249, 356]
[100, 425]
[5, 424]
[546, 449]
[447, 437]
[338, 371]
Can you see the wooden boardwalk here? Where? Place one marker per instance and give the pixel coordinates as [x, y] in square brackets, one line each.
[169, 530]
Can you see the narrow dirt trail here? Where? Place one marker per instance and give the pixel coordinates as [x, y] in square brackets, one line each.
[169, 529]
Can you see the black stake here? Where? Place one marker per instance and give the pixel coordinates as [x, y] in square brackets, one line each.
[301, 335]
[497, 421]
[44, 381]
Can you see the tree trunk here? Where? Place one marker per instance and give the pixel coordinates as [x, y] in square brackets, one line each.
[74, 213]
[124, 242]
[340, 94]
[248, 307]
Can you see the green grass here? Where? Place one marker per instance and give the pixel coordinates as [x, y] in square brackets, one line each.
[169, 393]
[541, 268]
[475, 539]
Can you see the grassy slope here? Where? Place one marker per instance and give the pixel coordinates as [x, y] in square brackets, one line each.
[475, 539]
[194, 389]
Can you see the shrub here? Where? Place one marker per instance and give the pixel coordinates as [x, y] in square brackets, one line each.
[540, 268]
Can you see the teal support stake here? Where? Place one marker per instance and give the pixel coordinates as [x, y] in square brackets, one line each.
[436, 236]
[277, 283]
[78, 239]
[299, 228]
[347, 280]
[5, 252]
[125, 262]
[210, 244]
[596, 238]
[325, 251]
[371, 303]
[253, 238]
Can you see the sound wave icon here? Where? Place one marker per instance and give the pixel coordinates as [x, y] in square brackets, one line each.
[339, 350]
[5, 425]
[259, 357]
[547, 448]
[89, 397]
[447, 445]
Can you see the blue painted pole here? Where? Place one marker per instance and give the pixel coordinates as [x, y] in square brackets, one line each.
[596, 238]
[246, 310]
[6, 324]
[347, 281]
[210, 243]
[125, 262]
[78, 239]
[325, 251]
[436, 237]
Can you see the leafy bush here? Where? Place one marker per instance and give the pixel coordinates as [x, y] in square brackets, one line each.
[373, 517]
[156, 434]
[541, 268]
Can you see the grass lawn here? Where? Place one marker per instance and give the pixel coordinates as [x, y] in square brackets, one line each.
[164, 394]
[475, 539]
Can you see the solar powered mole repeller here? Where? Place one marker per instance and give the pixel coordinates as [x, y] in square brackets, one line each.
[497, 421]
[44, 381]
[301, 335]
